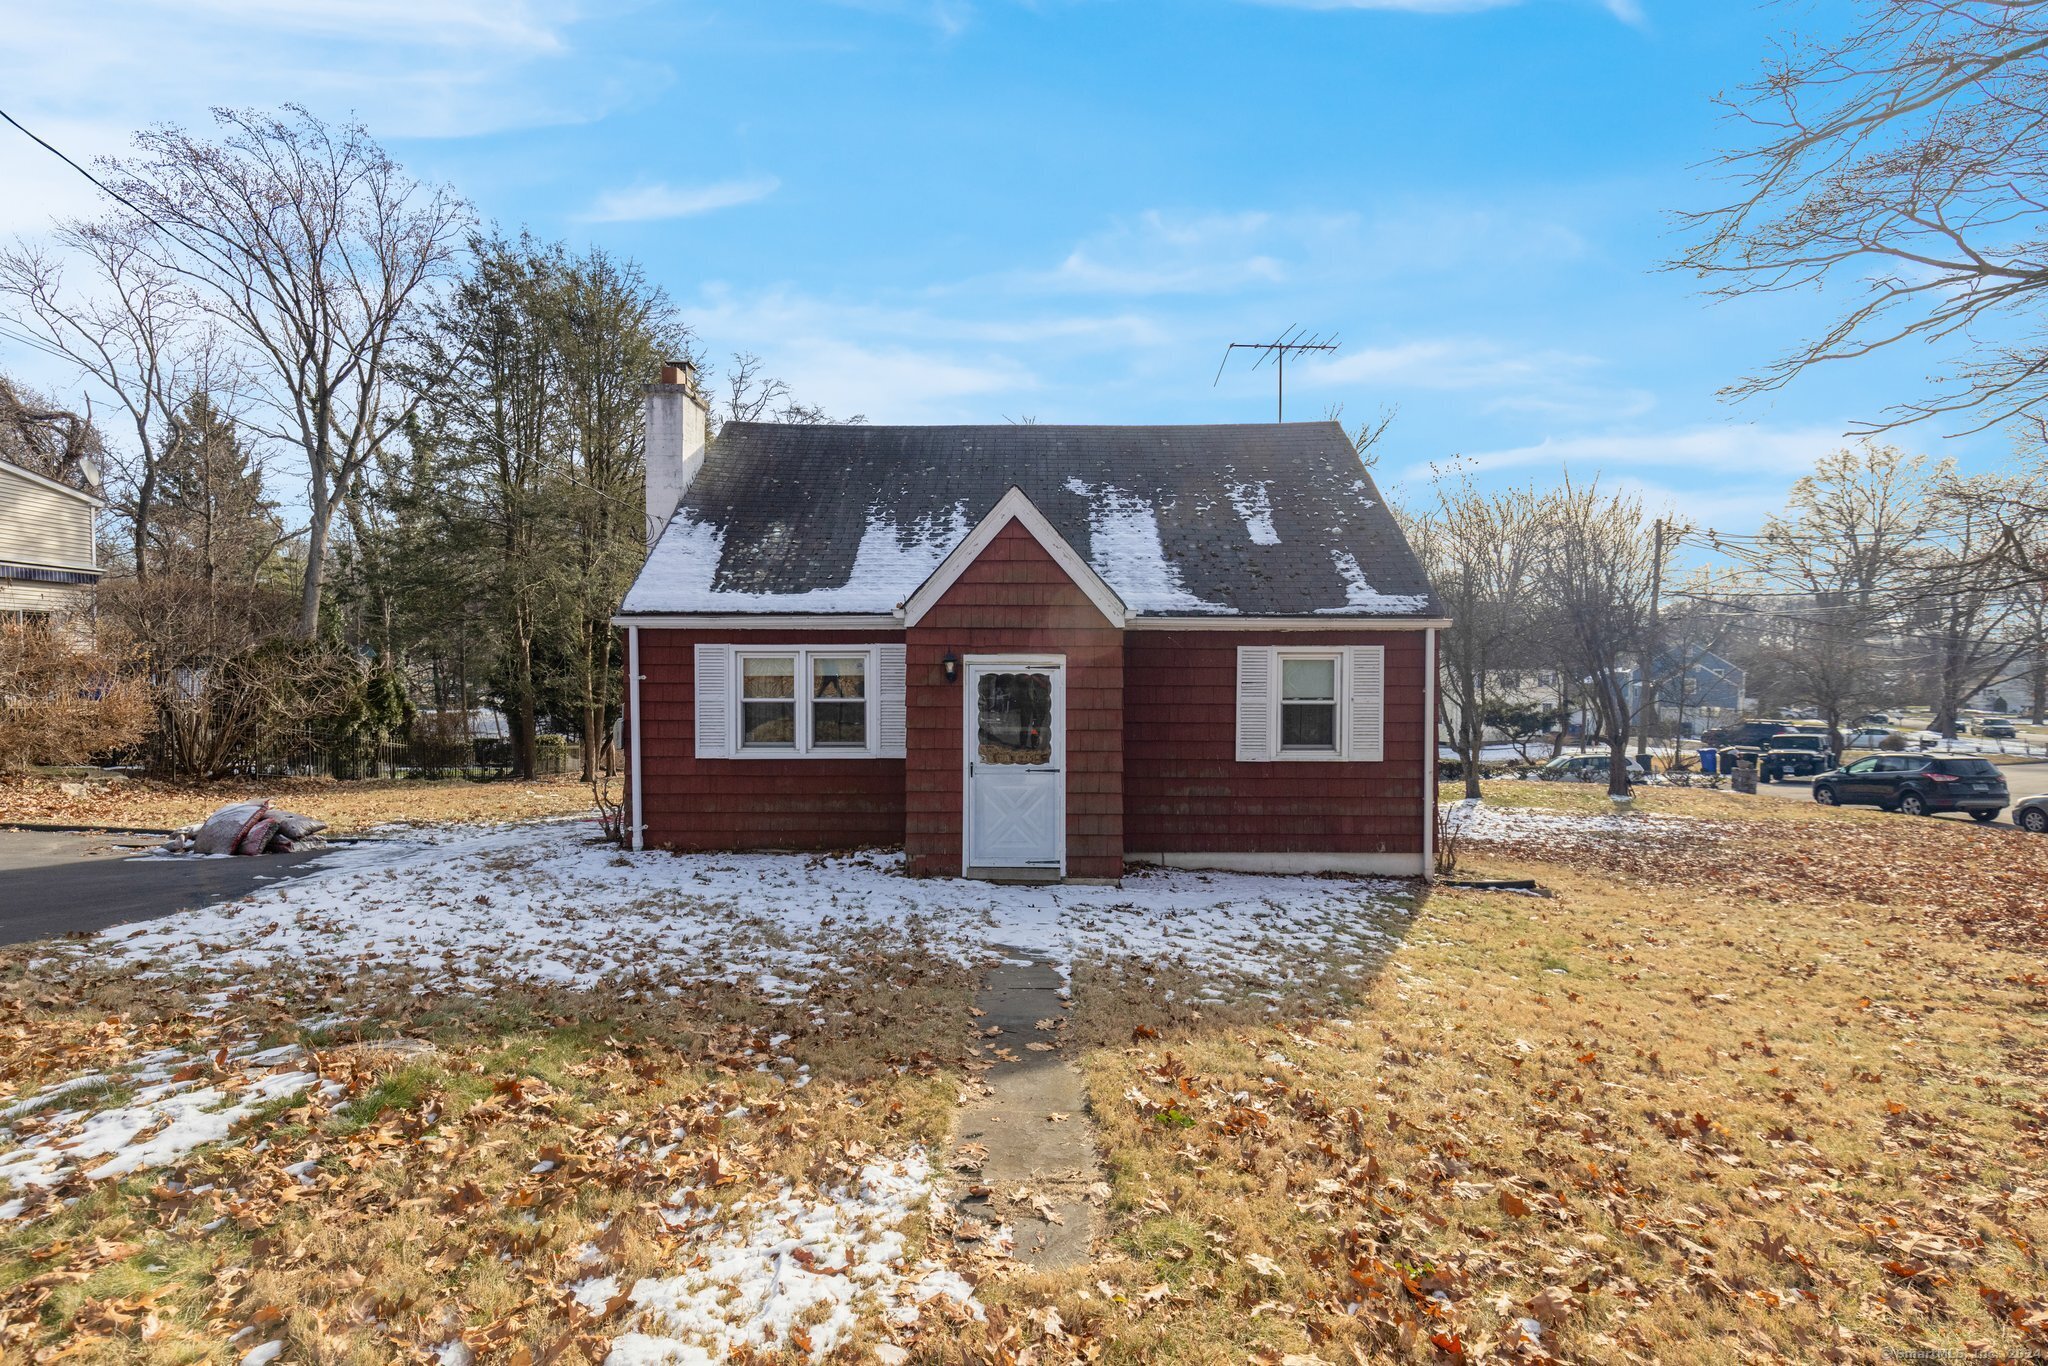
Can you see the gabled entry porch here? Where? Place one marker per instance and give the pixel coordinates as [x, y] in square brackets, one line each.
[1014, 765]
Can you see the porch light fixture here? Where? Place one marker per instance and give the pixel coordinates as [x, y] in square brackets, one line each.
[951, 664]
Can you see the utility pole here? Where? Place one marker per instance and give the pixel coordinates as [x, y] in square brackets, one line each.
[1646, 694]
[1277, 351]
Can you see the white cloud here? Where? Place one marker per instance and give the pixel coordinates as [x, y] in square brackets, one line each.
[949, 17]
[1159, 252]
[1446, 363]
[897, 383]
[1708, 451]
[647, 202]
[425, 68]
[1546, 382]
[1406, 6]
[1628, 11]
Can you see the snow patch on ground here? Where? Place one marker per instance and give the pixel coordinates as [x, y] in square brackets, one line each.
[179, 1102]
[761, 1269]
[549, 905]
[1479, 823]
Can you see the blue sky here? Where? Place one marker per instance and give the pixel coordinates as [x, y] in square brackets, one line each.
[967, 210]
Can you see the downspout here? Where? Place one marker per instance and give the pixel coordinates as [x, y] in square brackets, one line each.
[1429, 722]
[633, 734]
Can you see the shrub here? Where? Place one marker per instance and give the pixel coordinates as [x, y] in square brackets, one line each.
[62, 699]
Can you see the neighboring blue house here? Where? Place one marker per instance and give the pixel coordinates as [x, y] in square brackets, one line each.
[1695, 681]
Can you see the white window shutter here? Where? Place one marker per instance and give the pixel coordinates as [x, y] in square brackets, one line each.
[892, 674]
[1254, 704]
[714, 701]
[1368, 703]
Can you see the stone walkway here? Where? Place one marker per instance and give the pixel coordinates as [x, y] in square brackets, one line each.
[1028, 1128]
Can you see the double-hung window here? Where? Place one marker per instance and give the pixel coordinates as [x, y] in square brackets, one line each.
[839, 701]
[795, 701]
[768, 701]
[1310, 704]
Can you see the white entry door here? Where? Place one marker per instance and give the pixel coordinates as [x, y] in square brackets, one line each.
[1016, 761]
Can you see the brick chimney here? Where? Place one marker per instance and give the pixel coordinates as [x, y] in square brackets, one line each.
[676, 423]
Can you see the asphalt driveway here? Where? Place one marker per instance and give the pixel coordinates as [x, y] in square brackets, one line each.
[63, 883]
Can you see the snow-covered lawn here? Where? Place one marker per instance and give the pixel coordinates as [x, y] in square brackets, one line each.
[547, 905]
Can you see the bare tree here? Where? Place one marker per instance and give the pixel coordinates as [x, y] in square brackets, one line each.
[1970, 630]
[1594, 570]
[40, 434]
[1480, 550]
[1824, 582]
[312, 246]
[1366, 436]
[1908, 160]
[753, 395]
[132, 330]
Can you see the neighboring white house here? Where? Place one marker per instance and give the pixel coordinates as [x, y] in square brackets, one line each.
[49, 556]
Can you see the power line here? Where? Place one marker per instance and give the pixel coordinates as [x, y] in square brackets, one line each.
[101, 185]
[55, 152]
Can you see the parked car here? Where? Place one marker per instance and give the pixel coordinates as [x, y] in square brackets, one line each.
[1995, 728]
[1784, 754]
[1870, 737]
[1586, 768]
[1748, 734]
[1916, 785]
[1876, 718]
[2031, 813]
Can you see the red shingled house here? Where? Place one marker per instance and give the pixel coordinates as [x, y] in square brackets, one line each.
[1028, 652]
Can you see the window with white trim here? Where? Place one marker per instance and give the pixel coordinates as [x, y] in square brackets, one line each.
[790, 701]
[1310, 704]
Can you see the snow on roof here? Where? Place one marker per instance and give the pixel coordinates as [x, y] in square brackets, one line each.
[1124, 548]
[1263, 519]
[888, 566]
[1255, 506]
[1362, 599]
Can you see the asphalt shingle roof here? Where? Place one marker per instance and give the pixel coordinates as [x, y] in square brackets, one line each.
[1257, 520]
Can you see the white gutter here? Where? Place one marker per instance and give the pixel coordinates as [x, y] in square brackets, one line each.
[1429, 727]
[633, 732]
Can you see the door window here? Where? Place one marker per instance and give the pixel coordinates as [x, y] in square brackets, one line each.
[1015, 718]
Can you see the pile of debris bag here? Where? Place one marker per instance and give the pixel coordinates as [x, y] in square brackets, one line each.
[248, 828]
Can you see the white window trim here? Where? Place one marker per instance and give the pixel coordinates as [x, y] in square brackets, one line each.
[804, 654]
[1337, 655]
[1345, 751]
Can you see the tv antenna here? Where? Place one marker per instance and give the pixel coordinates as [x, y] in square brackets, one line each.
[1291, 342]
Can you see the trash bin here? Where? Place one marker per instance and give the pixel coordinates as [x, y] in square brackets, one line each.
[1710, 760]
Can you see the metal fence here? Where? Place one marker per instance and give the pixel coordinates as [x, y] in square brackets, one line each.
[300, 754]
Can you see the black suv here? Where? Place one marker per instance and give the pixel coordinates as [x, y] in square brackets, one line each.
[1796, 754]
[1917, 785]
[1746, 735]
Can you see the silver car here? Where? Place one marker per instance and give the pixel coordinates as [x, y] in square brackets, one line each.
[2031, 814]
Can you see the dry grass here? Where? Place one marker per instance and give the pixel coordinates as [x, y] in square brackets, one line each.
[349, 808]
[1649, 1116]
[1677, 1127]
[458, 1186]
